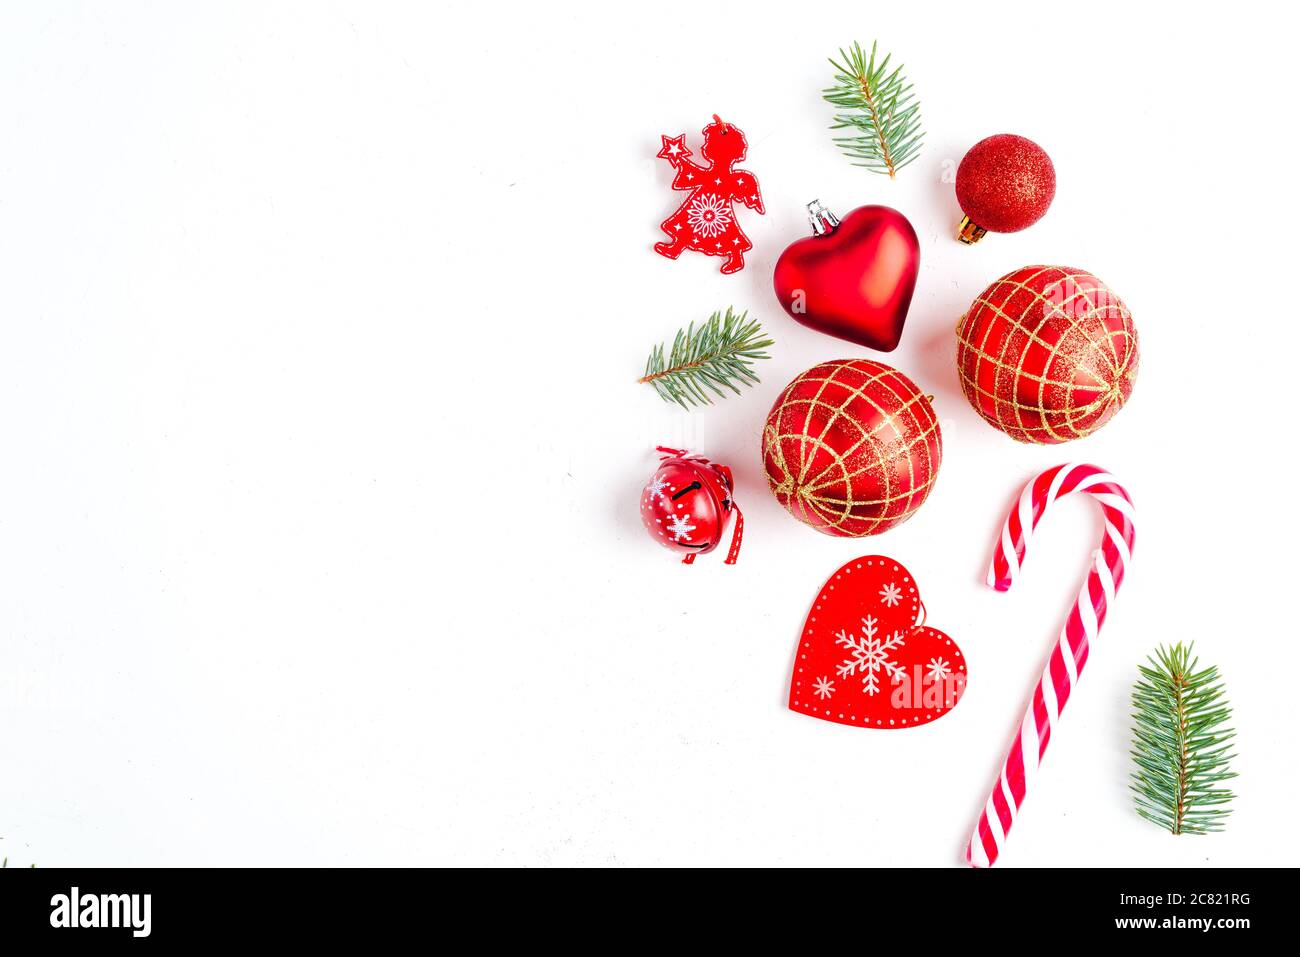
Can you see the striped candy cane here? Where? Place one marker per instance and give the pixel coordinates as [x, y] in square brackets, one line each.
[1071, 652]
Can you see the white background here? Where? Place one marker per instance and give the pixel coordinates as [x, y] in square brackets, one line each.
[319, 538]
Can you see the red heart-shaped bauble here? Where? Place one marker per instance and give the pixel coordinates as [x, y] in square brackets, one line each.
[866, 659]
[854, 281]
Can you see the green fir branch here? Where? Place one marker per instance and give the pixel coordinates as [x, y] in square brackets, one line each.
[1180, 743]
[881, 109]
[719, 354]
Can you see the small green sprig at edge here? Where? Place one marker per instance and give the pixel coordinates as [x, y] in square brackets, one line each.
[880, 106]
[1180, 743]
[721, 352]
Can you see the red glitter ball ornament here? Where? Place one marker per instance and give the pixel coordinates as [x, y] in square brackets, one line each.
[1004, 184]
[852, 447]
[1047, 354]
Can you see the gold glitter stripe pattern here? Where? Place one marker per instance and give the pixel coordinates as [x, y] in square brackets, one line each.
[851, 447]
[1075, 335]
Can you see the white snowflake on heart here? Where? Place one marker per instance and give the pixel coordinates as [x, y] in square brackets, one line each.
[938, 669]
[708, 215]
[823, 688]
[870, 655]
[679, 526]
[891, 594]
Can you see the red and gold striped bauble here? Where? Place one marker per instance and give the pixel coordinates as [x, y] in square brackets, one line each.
[1047, 354]
[851, 447]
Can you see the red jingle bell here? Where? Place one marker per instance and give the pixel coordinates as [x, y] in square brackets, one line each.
[687, 505]
[852, 279]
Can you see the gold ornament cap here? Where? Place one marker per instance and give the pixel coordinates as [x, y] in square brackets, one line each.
[969, 233]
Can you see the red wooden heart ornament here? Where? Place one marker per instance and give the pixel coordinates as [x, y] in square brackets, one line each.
[866, 658]
[852, 279]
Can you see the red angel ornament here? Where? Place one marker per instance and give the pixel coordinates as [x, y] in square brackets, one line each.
[706, 221]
